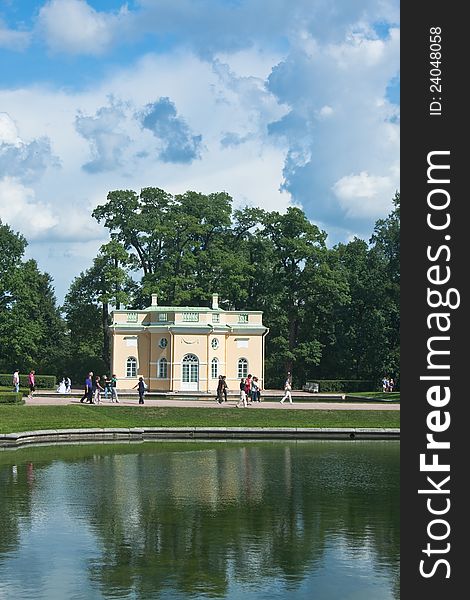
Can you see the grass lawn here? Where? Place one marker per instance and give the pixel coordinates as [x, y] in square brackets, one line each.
[28, 418]
[390, 396]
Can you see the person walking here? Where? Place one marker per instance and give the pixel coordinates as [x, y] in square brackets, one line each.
[287, 391]
[220, 390]
[248, 388]
[32, 383]
[97, 389]
[88, 392]
[68, 385]
[107, 387]
[114, 393]
[242, 400]
[142, 387]
[385, 384]
[225, 388]
[16, 380]
[255, 390]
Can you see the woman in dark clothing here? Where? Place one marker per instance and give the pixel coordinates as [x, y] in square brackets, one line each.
[141, 385]
[225, 388]
[220, 389]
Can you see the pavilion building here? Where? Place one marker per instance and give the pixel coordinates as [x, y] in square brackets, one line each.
[185, 349]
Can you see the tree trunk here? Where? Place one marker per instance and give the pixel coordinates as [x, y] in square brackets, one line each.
[104, 323]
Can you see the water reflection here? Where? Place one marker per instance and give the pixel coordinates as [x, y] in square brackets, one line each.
[201, 520]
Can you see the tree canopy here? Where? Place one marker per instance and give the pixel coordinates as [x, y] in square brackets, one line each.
[332, 312]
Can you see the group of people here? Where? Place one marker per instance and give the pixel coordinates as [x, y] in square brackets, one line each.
[388, 384]
[65, 386]
[95, 385]
[31, 382]
[250, 391]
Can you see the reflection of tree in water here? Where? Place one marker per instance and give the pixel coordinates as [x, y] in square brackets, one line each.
[258, 515]
[16, 481]
[190, 516]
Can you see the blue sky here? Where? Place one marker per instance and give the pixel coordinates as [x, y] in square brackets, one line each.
[278, 102]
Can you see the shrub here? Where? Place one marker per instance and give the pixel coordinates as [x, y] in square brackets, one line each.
[11, 398]
[346, 385]
[43, 382]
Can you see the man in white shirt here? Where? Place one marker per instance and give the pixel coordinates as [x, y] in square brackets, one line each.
[16, 380]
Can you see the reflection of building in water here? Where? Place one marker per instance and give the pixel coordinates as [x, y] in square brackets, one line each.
[222, 476]
[186, 348]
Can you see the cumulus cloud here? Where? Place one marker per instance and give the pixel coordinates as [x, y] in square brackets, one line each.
[25, 160]
[12, 39]
[21, 210]
[364, 195]
[339, 123]
[107, 140]
[74, 27]
[178, 145]
[281, 103]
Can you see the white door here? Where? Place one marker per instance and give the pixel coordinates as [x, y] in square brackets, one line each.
[190, 374]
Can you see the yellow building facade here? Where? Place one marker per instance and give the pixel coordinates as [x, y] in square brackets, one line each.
[185, 349]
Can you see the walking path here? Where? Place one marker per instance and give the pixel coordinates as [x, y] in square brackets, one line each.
[125, 400]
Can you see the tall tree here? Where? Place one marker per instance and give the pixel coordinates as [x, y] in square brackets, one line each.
[32, 331]
[87, 307]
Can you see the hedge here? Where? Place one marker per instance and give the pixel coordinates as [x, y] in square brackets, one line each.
[11, 398]
[346, 385]
[43, 382]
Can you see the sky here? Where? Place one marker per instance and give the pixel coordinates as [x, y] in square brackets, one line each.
[277, 102]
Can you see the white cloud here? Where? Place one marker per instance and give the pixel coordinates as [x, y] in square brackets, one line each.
[73, 26]
[340, 123]
[8, 131]
[364, 195]
[284, 93]
[20, 209]
[12, 39]
[25, 160]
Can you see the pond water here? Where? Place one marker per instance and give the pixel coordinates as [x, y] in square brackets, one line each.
[185, 520]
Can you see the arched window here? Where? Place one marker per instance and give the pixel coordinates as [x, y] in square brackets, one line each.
[242, 368]
[214, 368]
[131, 367]
[163, 368]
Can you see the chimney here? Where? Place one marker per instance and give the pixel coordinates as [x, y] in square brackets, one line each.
[215, 301]
[154, 299]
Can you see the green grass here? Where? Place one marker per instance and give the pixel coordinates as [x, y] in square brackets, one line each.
[28, 418]
[390, 396]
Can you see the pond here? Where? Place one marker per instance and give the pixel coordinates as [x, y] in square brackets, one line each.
[185, 520]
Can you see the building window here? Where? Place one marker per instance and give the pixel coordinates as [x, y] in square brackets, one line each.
[163, 368]
[162, 317]
[242, 368]
[190, 317]
[214, 368]
[243, 318]
[215, 317]
[132, 317]
[131, 367]
[190, 367]
[215, 343]
[163, 343]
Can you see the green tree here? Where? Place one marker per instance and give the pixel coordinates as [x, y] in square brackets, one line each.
[32, 331]
[296, 288]
[87, 307]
